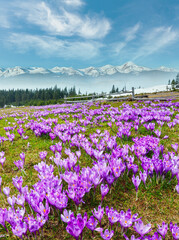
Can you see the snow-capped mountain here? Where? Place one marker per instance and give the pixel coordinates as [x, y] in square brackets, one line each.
[65, 70]
[165, 69]
[89, 79]
[12, 72]
[38, 70]
[126, 68]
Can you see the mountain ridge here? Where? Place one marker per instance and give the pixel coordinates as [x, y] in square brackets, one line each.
[125, 68]
[87, 79]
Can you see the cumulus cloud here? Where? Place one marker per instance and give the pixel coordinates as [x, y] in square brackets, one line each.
[51, 46]
[156, 39]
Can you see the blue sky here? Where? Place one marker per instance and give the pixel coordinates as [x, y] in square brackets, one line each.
[82, 33]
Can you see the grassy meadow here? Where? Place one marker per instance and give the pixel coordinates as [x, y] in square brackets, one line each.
[158, 201]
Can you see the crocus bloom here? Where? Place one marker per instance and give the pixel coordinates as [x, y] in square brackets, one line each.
[175, 231]
[3, 215]
[113, 215]
[126, 219]
[98, 213]
[19, 164]
[75, 225]
[141, 228]
[11, 201]
[22, 156]
[143, 176]
[0, 183]
[2, 154]
[2, 160]
[104, 191]
[66, 215]
[177, 188]
[20, 229]
[163, 229]
[156, 237]
[92, 223]
[107, 235]
[43, 155]
[17, 182]
[20, 200]
[132, 237]
[175, 146]
[136, 181]
[165, 137]
[6, 191]
[110, 179]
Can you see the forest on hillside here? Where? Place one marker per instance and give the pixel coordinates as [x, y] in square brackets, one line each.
[35, 97]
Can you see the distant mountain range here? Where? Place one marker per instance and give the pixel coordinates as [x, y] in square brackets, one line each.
[87, 79]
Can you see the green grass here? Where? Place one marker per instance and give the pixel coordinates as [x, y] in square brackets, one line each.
[156, 203]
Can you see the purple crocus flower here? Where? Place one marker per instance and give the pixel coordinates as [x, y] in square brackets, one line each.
[52, 136]
[19, 164]
[22, 156]
[156, 237]
[2, 154]
[132, 237]
[75, 225]
[175, 147]
[20, 131]
[174, 230]
[3, 216]
[33, 224]
[44, 211]
[2, 160]
[0, 183]
[104, 191]
[66, 215]
[141, 228]
[20, 229]
[17, 182]
[53, 148]
[113, 215]
[98, 213]
[158, 133]
[177, 188]
[136, 181]
[162, 229]
[11, 201]
[110, 179]
[143, 176]
[165, 137]
[20, 200]
[107, 235]
[6, 191]
[43, 155]
[91, 224]
[126, 219]
[78, 154]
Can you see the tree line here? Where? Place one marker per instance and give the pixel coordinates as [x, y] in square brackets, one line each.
[35, 97]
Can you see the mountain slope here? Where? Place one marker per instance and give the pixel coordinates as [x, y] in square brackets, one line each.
[87, 79]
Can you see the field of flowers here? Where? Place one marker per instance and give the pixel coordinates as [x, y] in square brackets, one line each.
[90, 171]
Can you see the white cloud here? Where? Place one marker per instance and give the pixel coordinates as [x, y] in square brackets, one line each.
[129, 35]
[51, 46]
[4, 21]
[74, 3]
[156, 39]
[63, 22]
